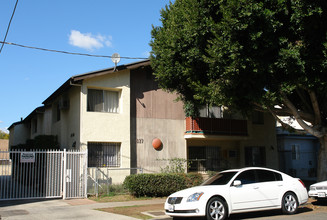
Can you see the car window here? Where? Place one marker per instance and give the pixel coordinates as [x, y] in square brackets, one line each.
[219, 179]
[246, 177]
[268, 176]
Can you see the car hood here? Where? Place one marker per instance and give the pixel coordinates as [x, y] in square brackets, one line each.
[323, 183]
[189, 191]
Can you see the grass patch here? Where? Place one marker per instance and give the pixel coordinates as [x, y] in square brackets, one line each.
[134, 211]
[116, 193]
[117, 198]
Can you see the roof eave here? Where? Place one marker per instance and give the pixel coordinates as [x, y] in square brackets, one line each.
[77, 79]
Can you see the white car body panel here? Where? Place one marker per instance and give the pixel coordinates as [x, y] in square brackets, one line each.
[243, 198]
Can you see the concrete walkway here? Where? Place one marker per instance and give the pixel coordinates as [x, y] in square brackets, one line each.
[65, 209]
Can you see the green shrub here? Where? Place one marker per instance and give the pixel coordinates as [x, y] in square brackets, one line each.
[192, 179]
[159, 185]
[175, 165]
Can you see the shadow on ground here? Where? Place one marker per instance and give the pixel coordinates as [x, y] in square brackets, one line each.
[253, 215]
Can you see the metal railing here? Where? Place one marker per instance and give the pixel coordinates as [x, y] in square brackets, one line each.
[217, 126]
[101, 178]
[205, 165]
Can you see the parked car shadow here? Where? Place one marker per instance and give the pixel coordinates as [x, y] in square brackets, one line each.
[320, 202]
[253, 215]
[269, 213]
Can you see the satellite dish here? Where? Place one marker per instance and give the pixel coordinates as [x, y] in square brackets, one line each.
[115, 58]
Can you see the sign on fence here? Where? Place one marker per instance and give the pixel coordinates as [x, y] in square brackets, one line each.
[27, 157]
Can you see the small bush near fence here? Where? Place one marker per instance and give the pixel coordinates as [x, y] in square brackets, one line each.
[159, 185]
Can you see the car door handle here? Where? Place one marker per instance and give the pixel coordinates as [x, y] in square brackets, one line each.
[256, 187]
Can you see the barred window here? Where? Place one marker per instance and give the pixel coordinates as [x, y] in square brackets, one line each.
[101, 154]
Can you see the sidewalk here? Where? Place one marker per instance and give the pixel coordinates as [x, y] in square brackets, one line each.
[65, 209]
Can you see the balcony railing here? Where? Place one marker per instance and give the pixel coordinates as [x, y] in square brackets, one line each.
[216, 126]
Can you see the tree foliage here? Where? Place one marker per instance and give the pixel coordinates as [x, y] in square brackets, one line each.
[268, 55]
[4, 135]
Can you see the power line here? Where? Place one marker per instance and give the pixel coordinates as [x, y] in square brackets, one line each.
[66, 52]
[12, 15]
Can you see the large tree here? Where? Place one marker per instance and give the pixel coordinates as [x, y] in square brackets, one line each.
[267, 55]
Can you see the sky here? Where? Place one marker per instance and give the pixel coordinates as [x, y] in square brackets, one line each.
[100, 27]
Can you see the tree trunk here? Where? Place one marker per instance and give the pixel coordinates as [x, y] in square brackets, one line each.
[322, 159]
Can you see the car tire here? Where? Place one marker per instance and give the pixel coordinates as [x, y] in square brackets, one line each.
[290, 203]
[217, 209]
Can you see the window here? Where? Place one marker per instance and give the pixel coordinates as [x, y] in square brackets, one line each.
[268, 176]
[258, 176]
[210, 112]
[102, 101]
[204, 158]
[219, 179]
[255, 156]
[103, 154]
[295, 152]
[247, 177]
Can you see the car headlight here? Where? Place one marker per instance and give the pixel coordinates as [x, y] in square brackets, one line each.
[313, 188]
[194, 197]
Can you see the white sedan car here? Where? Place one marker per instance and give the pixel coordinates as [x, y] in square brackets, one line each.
[318, 190]
[239, 190]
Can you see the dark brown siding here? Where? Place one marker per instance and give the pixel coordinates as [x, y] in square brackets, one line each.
[148, 101]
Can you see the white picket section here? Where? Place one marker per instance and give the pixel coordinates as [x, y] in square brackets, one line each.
[42, 174]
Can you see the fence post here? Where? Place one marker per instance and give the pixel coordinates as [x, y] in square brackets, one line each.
[85, 173]
[64, 175]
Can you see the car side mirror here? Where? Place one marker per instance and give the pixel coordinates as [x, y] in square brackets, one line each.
[237, 183]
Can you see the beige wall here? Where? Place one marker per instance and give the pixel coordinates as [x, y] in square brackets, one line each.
[265, 136]
[19, 133]
[259, 136]
[169, 131]
[108, 127]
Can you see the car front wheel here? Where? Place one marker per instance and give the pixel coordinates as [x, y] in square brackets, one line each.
[216, 209]
[290, 203]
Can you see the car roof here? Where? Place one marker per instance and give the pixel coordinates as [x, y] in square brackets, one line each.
[249, 168]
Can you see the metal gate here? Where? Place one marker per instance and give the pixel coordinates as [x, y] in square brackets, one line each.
[42, 174]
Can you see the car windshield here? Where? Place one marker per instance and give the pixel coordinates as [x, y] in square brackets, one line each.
[219, 178]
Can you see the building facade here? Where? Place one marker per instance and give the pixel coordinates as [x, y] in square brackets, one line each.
[117, 113]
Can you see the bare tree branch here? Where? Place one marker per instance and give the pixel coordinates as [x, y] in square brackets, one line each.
[301, 122]
[315, 105]
[285, 125]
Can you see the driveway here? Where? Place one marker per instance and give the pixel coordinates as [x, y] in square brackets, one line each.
[86, 209]
[63, 209]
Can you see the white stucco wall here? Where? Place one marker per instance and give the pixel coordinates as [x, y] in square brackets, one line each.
[19, 134]
[103, 126]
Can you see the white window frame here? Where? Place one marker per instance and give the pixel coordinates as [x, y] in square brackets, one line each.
[101, 105]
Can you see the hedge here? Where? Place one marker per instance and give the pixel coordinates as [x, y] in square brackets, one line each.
[159, 185]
